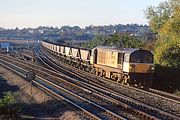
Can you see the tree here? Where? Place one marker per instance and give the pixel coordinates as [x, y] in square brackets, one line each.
[165, 20]
[168, 54]
[160, 15]
[171, 29]
[119, 40]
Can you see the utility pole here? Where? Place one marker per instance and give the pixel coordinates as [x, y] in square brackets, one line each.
[7, 49]
[30, 76]
[28, 44]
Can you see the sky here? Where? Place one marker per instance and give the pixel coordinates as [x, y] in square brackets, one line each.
[57, 13]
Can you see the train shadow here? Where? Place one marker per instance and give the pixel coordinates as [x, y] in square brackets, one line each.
[167, 79]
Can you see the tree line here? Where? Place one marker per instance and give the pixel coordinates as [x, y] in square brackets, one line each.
[121, 40]
[74, 32]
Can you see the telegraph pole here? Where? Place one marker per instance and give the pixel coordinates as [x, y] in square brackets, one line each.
[30, 76]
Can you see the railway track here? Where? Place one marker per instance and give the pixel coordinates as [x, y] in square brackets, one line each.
[150, 101]
[119, 107]
[154, 112]
[88, 107]
[98, 111]
[114, 106]
[166, 95]
[150, 91]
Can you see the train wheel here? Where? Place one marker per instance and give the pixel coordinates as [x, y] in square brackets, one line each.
[77, 65]
[144, 83]
[120, 79]
[103, 73]
[93, 71]
[124, 80]
[72, 64]
[148, 84]
[127, 80]
[113, 77]
[140, 84]
[131, 82]
[97, 73]
[82, 67]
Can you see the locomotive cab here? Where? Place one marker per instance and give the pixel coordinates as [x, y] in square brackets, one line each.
[138, 64]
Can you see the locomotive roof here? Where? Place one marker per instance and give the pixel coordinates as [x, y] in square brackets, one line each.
[125, 50]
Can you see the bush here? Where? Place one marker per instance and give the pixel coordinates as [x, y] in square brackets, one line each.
[8, 108]
[167, 54]
[167, 60]
[7, 100]
[167, 78]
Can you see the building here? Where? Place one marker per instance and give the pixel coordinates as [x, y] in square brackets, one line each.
[5, 46]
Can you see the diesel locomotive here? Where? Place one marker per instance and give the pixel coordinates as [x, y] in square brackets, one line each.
[129, 66]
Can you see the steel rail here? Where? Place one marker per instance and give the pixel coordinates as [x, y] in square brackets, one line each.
[117, 96]
[101, 78]
[106, 93]
[109, 112]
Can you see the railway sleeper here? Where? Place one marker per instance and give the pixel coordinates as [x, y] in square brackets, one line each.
[137, 113]
[143, 108]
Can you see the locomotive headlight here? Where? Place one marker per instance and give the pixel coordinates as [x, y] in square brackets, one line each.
[131, 66]
[151, 68]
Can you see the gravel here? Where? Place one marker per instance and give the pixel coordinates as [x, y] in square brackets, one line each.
[38, 104]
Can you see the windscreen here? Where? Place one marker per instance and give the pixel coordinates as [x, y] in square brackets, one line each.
[141, 56]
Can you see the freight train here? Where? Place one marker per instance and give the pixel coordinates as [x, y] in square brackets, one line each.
[129, 66]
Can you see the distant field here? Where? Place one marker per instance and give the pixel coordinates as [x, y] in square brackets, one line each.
[18, 41]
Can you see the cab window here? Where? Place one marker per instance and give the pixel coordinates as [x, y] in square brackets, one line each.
[120, 58]
[141, 56]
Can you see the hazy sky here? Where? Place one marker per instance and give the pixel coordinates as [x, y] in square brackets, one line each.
[34, 13]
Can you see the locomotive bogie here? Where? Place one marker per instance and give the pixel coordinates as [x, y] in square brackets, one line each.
[141, 79]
